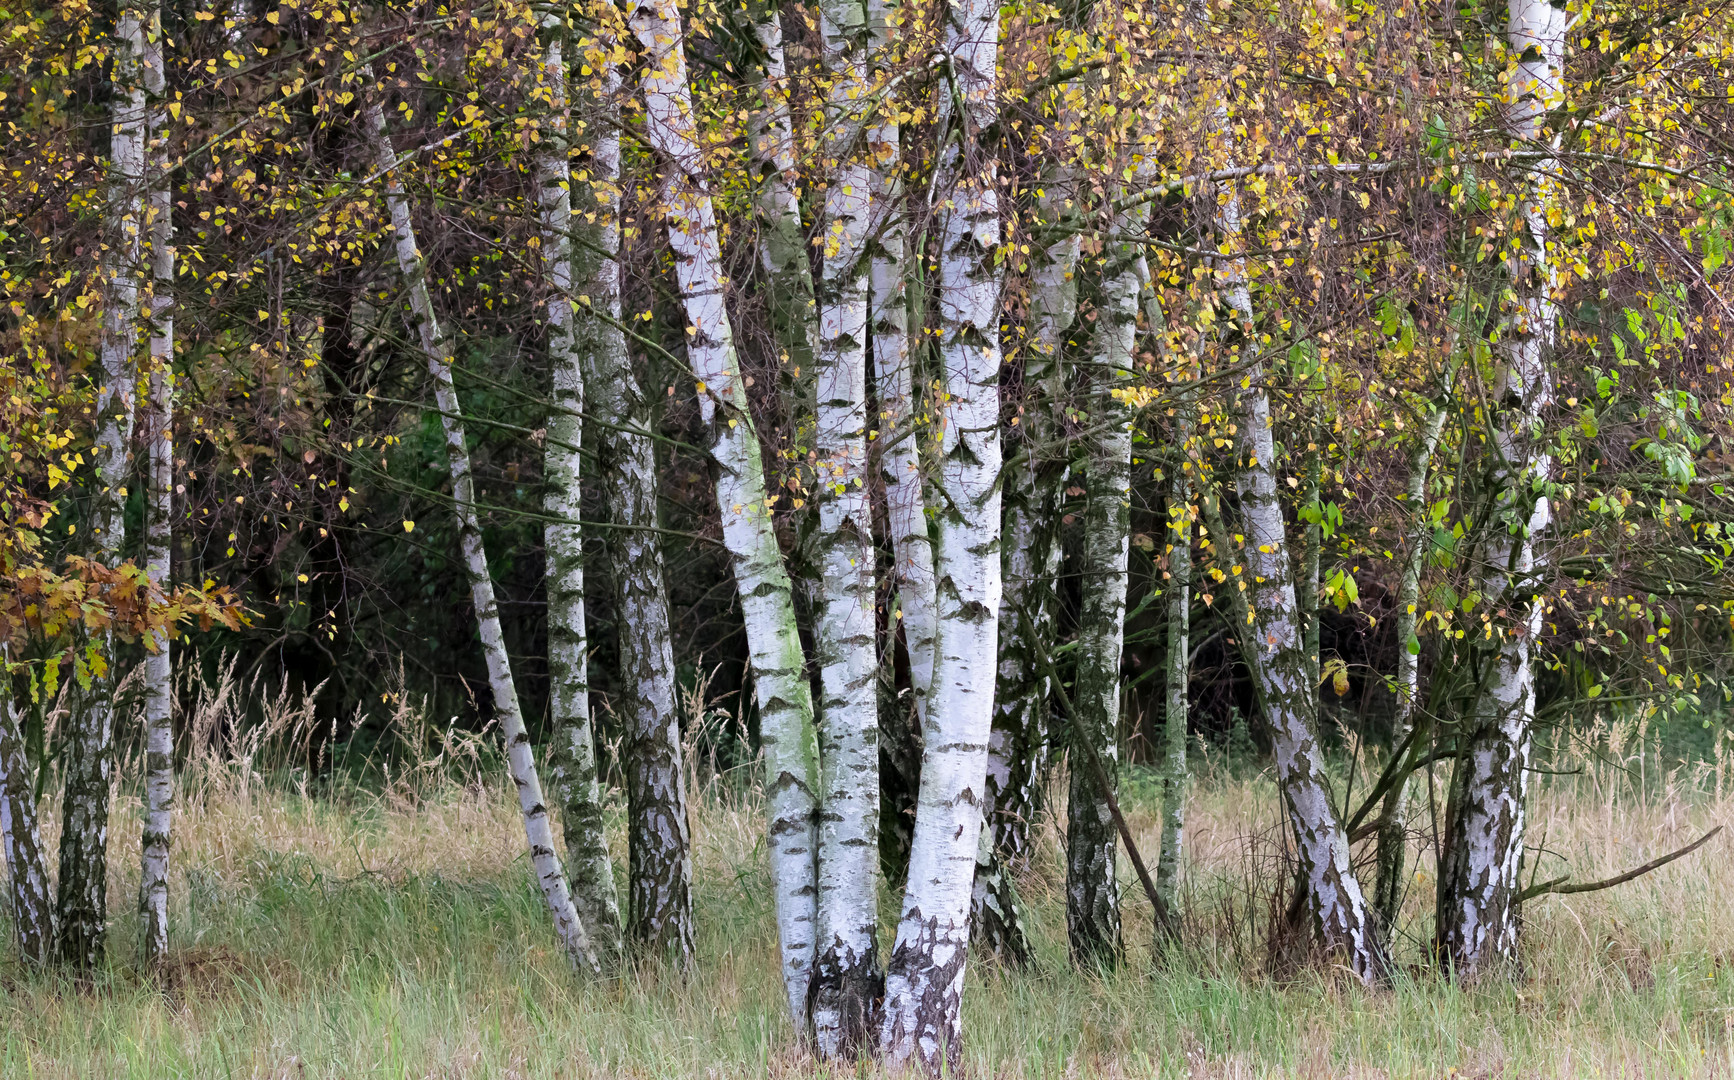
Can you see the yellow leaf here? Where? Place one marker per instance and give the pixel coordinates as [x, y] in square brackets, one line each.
[409, 526]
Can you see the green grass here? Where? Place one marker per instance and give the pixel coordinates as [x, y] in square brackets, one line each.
[400, 935]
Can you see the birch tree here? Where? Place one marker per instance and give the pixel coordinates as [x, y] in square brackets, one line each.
[159, 777]
[437, 350]
[900, 430]
[767, 606]
[782, 245]
[1030, 557]
[574, 756]
[846, 979]
[81, 901]
[1092, 891]
[1273, 634]
[924, 980]
[1177, 581]
[21, 843]
[1479, 887]
[1394, 826]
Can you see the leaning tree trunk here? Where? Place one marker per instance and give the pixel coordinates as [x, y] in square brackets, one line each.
[846, 980]
[82, 897]
[924, 981]
[767, 606]
[1483, 848]
[21, 842]
[1394, 826]
[575, 332]
[437, 349]
[1092, 891]
[159, 779]
[1275, 644]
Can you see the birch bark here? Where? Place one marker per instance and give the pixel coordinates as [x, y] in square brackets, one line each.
[899, 429]
[846, 980]
[1394, 829]
[767, 606]
[1092, 891]
[573, 758]
[159, 779]
[1031, 548]
[21, 843]
[1483, 849]
[1179, 588]
[1030, 556]
[1274, 637]
[903, 427]
[81, 899]
[436, 347]
[924, 981]
[783, 246]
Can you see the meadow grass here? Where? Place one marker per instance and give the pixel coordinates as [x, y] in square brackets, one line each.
[397, 933]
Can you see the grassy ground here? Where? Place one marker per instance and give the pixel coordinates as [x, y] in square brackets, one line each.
[400, 935]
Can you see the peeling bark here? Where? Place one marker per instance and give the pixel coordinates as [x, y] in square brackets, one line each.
[924, 981]
[767, 605]
[436, 348]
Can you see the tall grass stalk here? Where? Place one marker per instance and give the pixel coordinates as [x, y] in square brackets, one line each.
[394, 930]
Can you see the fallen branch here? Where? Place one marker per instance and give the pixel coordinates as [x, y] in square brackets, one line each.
[1558, 885]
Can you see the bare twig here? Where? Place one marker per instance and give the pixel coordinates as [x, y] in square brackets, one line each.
[1558, 885]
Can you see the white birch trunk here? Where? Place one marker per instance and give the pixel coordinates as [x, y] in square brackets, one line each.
[573, 761]
[550, 875]
[1483, 849]
[82, 895]
[900, 430]
[159, 779]
[924, 982]
[1274, 637]
[767, 605]
[846, 981]
[21, 843]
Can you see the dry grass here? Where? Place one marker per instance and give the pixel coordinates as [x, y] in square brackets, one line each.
[398, 934]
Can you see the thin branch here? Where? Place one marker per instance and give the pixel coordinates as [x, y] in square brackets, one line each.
[1558, 885]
